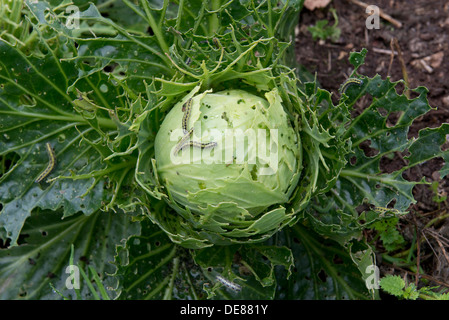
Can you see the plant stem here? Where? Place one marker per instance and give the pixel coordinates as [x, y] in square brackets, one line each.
[437, 219]
[214, 24]
[169, 290]
[105, 4]
[154, 27]
[99, 173]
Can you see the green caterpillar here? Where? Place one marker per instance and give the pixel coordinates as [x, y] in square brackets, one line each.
[182, 142]
[51, 163]
[199, 144]
[187, 109]
[349, 82]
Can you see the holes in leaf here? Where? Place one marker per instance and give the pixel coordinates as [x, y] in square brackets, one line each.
[5, 243]
[89, 62]
[392, 162]
[27, 100]
[369, 152]
[21, 239]
[400, 88]
[362, 208]
[445, 146]
[322, 276]
[393, 118]
[9, 160]
[382, 111]
[110, 67]
[150, 31]
[413, 94]
[353, 160]
[391, 204]
[244, 271]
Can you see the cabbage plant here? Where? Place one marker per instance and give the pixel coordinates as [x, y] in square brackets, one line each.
[224, 188]
[175, 150]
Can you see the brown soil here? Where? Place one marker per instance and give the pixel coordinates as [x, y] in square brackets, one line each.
[423, 39]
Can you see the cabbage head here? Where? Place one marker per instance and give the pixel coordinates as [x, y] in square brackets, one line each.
[227, 162]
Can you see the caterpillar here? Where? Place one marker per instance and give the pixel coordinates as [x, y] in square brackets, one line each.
[229, 284]
[183, 141]
[186, 108]
[216, 42]
[383, 210]
[200, 145]
[51, 163]
[349, 82]
[182, 144]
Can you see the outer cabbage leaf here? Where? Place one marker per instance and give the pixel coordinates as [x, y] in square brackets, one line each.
[32, 269]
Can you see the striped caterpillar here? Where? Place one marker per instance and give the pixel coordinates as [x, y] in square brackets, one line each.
[187, 109]
[198, 145]
[229, 284]
[51, 163]
[349, 82]
[189, 143]
[383, 210]
[185, 140]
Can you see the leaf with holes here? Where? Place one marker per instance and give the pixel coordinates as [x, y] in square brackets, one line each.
[35, 110]
[323, 269]
[42, 259]
[363, 192]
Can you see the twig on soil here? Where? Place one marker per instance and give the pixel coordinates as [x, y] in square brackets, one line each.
[385, 51]
[391, 58]
[430, 245]
[424, 64]
[395, 43]
[439, 239]
[383, 15]
[442, 249]
[418, 251]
